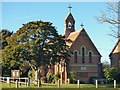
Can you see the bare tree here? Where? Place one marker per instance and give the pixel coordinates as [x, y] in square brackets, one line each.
[111, 16]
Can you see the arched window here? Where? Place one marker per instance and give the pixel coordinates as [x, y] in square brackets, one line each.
[75, 57]
[83, 54]
[90, 57]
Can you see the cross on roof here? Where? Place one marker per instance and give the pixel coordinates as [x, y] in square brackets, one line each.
[69, 7]
[82, 25]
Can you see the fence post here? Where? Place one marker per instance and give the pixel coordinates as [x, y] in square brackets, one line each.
[16, 83]
[68, 81]
[58, 83]
[10, 84]
[114, 83]
[96, 83]
[8, 79]
[39, 83]
[28, 82]
[25, 81]
[78, 84]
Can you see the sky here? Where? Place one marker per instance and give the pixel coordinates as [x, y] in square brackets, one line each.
[14, 14]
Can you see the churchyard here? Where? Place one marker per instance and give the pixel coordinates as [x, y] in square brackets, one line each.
[37, 57]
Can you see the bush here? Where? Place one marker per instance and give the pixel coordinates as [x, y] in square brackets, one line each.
[6, 72]
[56, 76]
[72, 77]
[73, 81]
[49, 77]
[44, 79]
[111, 74]
[31, 74]
[92, 79]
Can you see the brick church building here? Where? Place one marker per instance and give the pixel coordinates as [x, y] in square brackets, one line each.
[115, 55]
[85, 59]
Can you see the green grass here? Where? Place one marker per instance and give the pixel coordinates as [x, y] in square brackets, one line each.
[47, 86]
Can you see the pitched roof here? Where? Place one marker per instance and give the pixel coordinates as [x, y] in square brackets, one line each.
[115, 47]
[69, 16]
[73, 36]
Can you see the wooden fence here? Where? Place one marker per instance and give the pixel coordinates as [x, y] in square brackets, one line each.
[23, 80]
[26, 81]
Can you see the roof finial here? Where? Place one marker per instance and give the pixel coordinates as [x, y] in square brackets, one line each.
[69, 7]
[81, 25]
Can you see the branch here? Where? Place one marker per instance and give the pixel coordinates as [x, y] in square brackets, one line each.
[33, 67]
[113, 7]
[109, 16]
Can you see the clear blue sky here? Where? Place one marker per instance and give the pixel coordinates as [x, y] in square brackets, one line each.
[16, 14]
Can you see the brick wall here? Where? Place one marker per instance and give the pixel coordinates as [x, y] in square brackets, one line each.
[115, 59]
[87, 69]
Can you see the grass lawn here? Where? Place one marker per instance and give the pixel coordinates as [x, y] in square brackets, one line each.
[46, 86]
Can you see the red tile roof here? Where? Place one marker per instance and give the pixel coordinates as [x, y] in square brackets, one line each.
[114, 47]
[73, 37]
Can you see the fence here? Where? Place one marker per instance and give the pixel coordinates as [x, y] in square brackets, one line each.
[23, 80]
[27, 82]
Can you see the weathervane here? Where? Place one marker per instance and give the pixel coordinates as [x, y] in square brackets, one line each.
[69, 7]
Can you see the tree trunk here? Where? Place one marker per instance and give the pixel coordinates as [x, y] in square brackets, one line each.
[37, 77]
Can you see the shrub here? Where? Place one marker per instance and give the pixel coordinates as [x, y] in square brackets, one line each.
[111, 74]
[72, 77]
[31, 74]
[56, 76]
[73, 81]
[44, 79]
[49, 77]
[6, 72]
[92, 79]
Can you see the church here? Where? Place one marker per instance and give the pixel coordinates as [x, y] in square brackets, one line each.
[115, 55]
[85, 59]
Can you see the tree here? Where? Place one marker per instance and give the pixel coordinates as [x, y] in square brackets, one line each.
[4, 33]
[111, 74]
[112, 17]
[36, 43]
[105, 65]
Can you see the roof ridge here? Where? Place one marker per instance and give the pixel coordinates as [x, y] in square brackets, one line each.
[114, 47]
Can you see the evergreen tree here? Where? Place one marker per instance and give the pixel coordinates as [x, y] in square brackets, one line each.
[37, 44]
